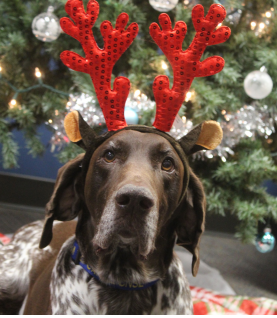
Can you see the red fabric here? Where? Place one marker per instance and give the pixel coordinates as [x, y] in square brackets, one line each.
[99, 63]
[186, 65]
[4, 239]
[206, 302]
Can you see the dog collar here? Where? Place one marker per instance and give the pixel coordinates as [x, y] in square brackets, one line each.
[75, 255]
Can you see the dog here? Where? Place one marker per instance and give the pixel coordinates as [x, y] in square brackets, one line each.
[134, 198]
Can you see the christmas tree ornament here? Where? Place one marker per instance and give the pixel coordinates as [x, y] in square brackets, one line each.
[163, 5]
[131, 116]
[258, 84]
[265, 241]
[46, 26]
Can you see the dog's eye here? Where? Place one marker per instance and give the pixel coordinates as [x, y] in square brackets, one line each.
[167, 164]
[109, 156]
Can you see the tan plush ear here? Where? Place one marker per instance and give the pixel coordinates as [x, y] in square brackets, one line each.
[77, 130]
[71, 126]
[191, 220]
[207, 135]
[64, 204]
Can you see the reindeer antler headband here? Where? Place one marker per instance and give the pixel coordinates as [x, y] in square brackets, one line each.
[186, 65]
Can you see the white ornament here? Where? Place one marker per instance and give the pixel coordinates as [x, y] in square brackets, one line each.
[258, 84]
[46, 26]
[163, 5]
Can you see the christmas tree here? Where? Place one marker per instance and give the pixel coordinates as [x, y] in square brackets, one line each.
[35, 88]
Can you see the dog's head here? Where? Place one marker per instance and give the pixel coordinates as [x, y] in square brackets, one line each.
[133, 191]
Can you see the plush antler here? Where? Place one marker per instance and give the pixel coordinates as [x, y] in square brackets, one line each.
[185, 64]
[99, 63]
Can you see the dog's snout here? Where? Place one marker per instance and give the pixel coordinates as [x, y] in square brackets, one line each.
[134, 197]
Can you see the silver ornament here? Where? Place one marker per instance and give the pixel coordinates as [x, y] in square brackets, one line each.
[46, 26]
[258, 84]
[163, 5]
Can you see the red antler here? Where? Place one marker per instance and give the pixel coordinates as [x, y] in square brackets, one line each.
[185, 64]
[99, 63]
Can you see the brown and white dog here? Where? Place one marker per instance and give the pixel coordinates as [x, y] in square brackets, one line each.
[134, 198]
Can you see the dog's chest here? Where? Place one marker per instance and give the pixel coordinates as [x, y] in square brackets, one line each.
[74, 291]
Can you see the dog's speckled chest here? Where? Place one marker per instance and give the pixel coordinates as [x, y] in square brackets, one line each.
[74, 291]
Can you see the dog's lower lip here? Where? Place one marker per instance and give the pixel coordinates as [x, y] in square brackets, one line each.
[126, 234]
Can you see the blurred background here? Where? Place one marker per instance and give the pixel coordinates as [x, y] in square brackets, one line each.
[240, 177]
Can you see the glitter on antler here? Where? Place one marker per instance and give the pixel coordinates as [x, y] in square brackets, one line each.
[186, 65]
[98, 63]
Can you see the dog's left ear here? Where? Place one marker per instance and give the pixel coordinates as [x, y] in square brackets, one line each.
[78, 131]
[65, 202]
[207, 135]
[191, 219]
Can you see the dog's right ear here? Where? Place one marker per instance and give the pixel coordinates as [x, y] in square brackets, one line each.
[77, 130]
[64, 203]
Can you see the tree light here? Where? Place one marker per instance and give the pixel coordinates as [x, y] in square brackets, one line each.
[268, 14]
[137, 93]
[253, 25]
[261, 25]
[188, 96]
[37, 72]
[50, 121]
[12, 103]
[164, 65]
[0, 68]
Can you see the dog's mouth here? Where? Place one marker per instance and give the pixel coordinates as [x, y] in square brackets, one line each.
[128, 225]
[135, 241]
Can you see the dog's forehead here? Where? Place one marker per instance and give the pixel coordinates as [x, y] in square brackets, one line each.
[135, 139]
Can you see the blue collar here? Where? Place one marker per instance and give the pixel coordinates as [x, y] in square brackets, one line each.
[123, 286]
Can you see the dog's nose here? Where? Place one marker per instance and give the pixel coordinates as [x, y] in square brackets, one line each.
[132, 197]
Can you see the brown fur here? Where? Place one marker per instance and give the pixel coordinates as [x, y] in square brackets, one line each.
[38, 301]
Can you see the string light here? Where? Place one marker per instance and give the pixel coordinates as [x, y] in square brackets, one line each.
[164, 65]
[40, 84]
[268, 14]
[37, 72]
[12, 103]
[137, 93]
[253, 25]
[50, 121]
[261, 25]
[189, 96]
